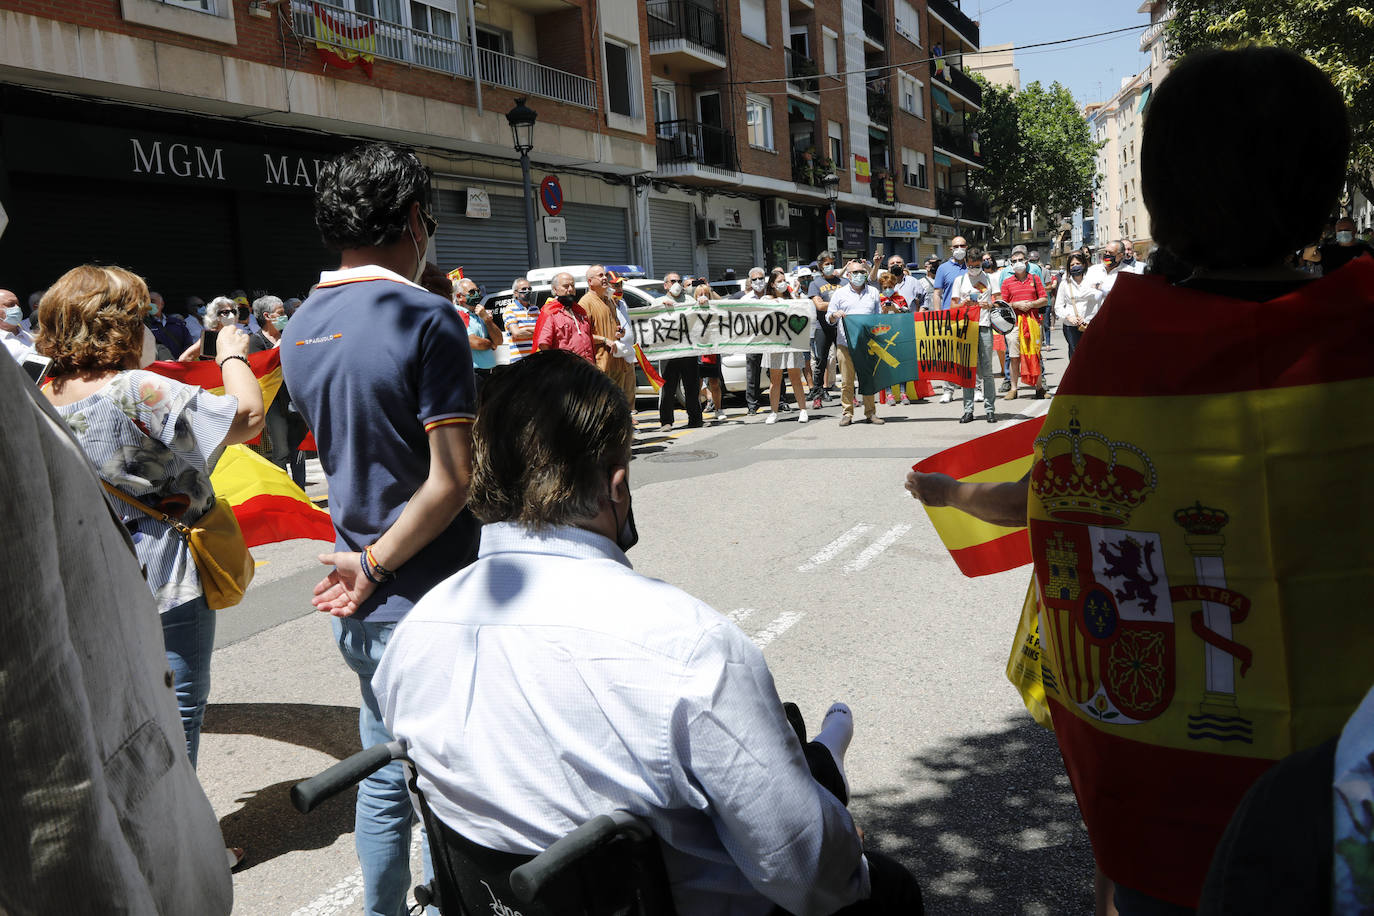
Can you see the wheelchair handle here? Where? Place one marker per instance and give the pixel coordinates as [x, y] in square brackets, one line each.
[526, 881]
[305, 795]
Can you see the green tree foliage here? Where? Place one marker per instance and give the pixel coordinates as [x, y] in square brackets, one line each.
[1037, 153]
[1336, 35]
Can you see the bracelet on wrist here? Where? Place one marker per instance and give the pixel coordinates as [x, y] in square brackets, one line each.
[236, 356]
[374, 570]
[367, 570]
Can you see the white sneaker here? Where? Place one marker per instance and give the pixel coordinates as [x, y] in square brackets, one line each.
[947, 396]
[802, 417]
[977, 394]
[772, 418]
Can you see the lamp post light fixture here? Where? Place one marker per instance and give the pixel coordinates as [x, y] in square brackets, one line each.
[831, 183]
[521, 119]
[958, 210]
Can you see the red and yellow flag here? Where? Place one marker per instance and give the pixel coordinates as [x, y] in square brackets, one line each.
[650, 372]
[267, 503]
[1200, 531]
[980, 548]
[342, 45]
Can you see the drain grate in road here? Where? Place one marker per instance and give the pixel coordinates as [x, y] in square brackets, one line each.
[696, 454]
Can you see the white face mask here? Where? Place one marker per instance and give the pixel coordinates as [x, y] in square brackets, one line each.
[827, 269]
[780, 286]
[675, 290]
[759, 284]
[975, 272]
[149, 354]
[959, 253]
[857, 279]
[1020, 267]
[704, 300]
[1344, 237]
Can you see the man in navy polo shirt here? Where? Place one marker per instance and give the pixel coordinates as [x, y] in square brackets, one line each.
[381, 371]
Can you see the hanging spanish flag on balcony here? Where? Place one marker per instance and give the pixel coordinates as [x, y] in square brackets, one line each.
[268, 505]
[342, 45]
[861, 170]
[1201, 552]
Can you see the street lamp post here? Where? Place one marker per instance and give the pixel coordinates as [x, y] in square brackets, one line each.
[831, 182]
[521, 119]
[958, 210]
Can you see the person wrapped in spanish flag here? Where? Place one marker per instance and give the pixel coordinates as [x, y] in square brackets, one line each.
[1193, 506]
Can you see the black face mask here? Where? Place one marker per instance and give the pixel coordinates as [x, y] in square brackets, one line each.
[1075, 270]
[568, 300]
[626, 534]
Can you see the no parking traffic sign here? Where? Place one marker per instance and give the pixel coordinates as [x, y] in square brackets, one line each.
[551, 195]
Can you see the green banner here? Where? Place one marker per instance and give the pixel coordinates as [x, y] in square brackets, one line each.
[883, 348]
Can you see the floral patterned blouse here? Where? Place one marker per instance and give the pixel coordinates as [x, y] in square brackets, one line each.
[157, 440]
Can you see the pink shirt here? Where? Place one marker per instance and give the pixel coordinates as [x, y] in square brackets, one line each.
[564, 327]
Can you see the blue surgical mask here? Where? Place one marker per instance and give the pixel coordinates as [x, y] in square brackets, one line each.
[827, 269]
[1344, 237]
[280, 322]
[14, 315]
[857, 279]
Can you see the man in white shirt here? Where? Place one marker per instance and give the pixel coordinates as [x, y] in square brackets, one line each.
[1102, 276]
[18, 342]
[908, 286]
[975, 287]
[856, 297]
[533, 692]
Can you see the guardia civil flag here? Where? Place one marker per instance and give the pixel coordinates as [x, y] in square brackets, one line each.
[883, 348]
[1201, 531]
[267, 503]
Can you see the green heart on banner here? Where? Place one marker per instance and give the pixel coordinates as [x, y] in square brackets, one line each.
[797, 323]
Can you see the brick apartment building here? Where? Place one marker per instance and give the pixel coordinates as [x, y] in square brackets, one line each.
[180, 137]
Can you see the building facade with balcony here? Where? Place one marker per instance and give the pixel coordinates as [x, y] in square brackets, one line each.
[756, 102]
[181, 137]
[952, 35]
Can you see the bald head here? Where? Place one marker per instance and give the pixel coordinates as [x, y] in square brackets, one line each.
[563, 284]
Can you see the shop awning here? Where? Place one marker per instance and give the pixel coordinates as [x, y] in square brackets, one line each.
[1144, 99]
[941, 159]
[801, 108]
[941, 99]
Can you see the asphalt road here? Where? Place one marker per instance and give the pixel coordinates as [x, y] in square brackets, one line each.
[803, 534]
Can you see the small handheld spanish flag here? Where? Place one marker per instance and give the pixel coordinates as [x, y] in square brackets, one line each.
[456, 274]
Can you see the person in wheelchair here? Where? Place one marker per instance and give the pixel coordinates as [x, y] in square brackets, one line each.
[549, 682]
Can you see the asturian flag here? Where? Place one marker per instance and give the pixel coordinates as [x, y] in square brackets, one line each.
[267, 503]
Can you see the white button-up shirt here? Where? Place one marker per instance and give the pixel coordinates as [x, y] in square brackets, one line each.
[548, 683]
[18, 343]
[1099, 277]
[864, 301]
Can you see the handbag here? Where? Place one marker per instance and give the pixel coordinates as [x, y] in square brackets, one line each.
[217, 546]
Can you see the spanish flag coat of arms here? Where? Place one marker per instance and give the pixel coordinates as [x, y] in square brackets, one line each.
[1200, 521]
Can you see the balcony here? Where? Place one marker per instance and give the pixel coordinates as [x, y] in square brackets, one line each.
[879, 108]
[358, 32]
[686, 35]
[975, 206]
[801, 72]
[875, 30]
[960, 83]
[689, 149]
[955, 142]
[880, 187]
[955, 20]
[809, 172]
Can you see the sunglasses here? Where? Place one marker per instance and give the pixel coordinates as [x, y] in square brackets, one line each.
[227, 313]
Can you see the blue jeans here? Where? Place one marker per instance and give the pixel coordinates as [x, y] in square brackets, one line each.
[188, 635]
[383, 816]
[986, 359]
[1072, 335]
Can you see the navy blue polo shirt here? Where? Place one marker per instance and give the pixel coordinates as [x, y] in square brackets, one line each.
[374, 363]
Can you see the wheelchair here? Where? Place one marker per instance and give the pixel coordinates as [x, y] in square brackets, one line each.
[610, 866]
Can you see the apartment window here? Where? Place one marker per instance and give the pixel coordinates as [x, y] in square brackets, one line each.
[1025, 219]
[905, 21]
[665, 108]
[914, 169]
[390, 10]
[426, 18]
[835, 132]
[912, 97]
[204, 6]
[758, 113]
[753, 20]
[831, 44]
[620, 81]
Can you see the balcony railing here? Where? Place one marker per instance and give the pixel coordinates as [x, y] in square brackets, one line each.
[364, 34]
[799, 66]
[954, 140]
[811, 171]
[688, 141]
[961, 23]
[975, 206]
[670, 20]
[873, 24]
[956, 79]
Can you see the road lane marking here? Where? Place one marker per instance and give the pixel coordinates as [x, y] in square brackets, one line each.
[343, 896]
[831, 550]
[738, 616]
[871, 552]
[780, 625]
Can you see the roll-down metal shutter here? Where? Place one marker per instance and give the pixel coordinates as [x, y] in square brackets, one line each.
[735, 249]
[490, 251]
[596, 235]
[670, 231]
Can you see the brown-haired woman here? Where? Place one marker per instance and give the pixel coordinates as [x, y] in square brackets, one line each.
[152, 438]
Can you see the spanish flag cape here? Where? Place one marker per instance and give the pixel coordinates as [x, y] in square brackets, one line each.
[1200, 523]
[267, 503]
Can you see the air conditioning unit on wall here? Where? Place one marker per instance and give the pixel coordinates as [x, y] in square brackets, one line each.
[708, 230]
[775, 214]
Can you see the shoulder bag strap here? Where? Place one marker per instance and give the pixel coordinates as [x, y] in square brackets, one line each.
[160, 516]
